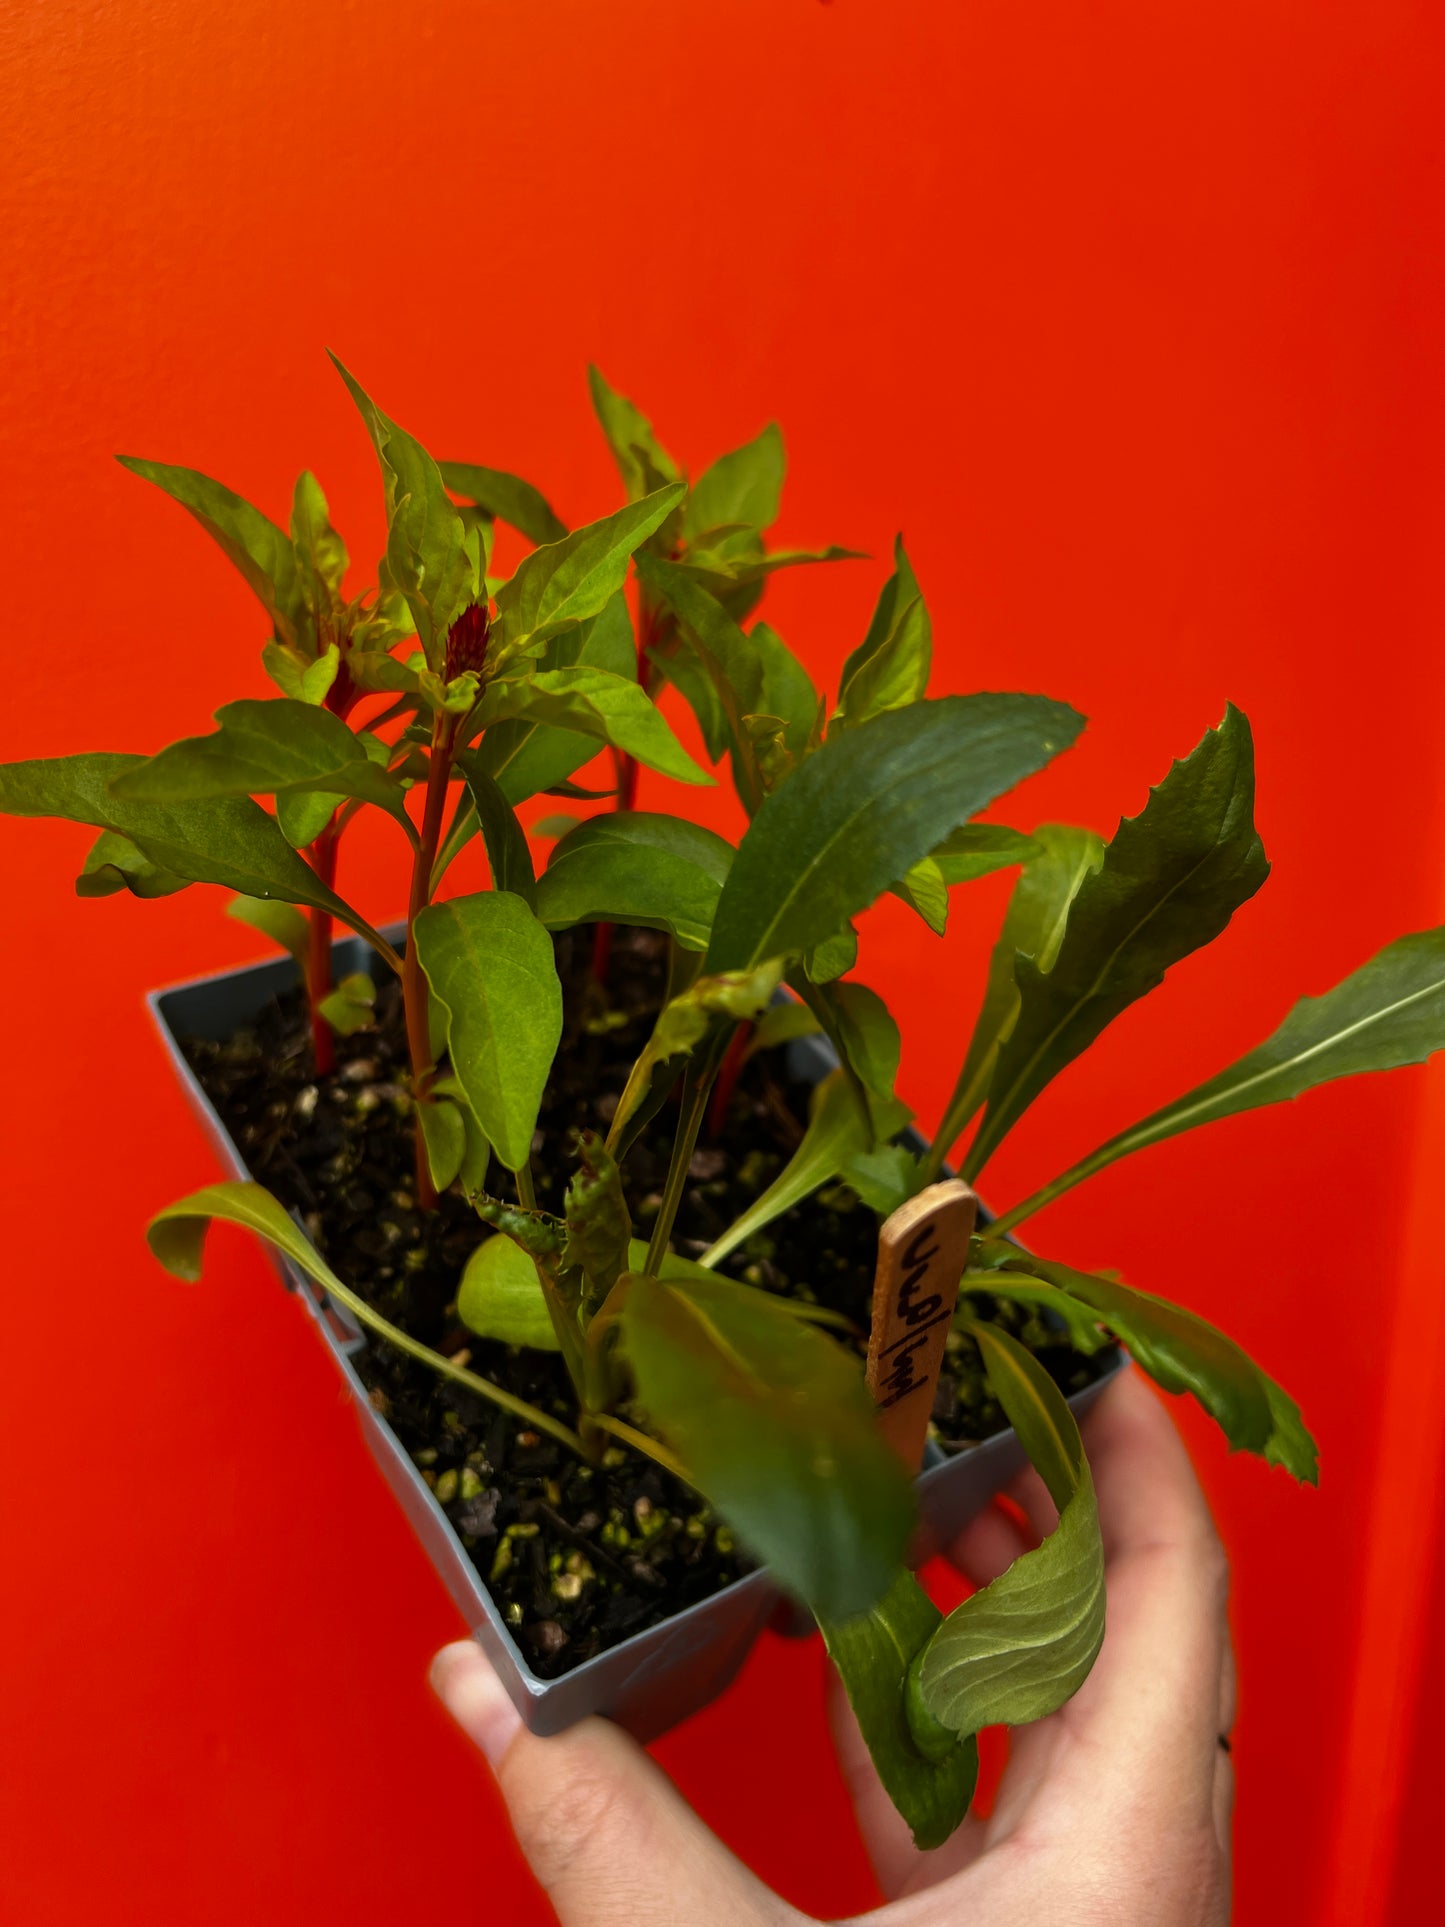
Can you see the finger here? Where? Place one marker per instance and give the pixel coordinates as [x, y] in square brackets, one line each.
[988, 1544]
[1030, 1495]
[603, 1829]
[1224, 1763]
[1152, 1703]
[1228, 1691]
[1223, 1799]
[899, 1865]
[1148, 1494]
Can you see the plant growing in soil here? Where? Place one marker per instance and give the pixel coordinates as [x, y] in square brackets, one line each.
[510, 687]
[714, 537]
[717, 537]
[321, 651]
[754, 1397]
[744, 1393]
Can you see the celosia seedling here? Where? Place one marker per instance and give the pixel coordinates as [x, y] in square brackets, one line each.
[491, 692]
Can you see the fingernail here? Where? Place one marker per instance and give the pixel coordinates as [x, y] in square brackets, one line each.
[476, 1699]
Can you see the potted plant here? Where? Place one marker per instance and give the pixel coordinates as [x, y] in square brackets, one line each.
[612, 1238]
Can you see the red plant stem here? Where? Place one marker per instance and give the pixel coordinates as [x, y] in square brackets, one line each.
[727, 1077]
[627, 776]
[413, 977]
[318, 954]
[601, 952]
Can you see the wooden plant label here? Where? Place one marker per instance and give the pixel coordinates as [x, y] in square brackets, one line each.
[922, 1253]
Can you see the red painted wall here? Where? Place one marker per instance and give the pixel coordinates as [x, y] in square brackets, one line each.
[1129, 316]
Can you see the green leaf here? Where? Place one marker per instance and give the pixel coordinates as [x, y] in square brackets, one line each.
[599, 1225]
[735, 997]
[926, 894]
[431, 554]
[721, 644]
[348, 1008]
[286, 667]
[775, 1427]
[890, 667]
[1170, 881]
[1389, 1012]
[773, 760]
[177, 1234]
[978, 849]
[781, 1024]
[303, 814]
[872, 1652]
[867, 806]
[595, 703]
[506, 841]
[486, 530]
[567, 581]
[732, 661]
[445, 1138]
[506, 498]
[737, 579]
[540, 1234]
[266, 747]
[678, 1270]
[1022, 1646]
[891, 670]
[545, 1238]
[260, 550]
[634, 867]
[1086, 1334]
[832, 958]
[489, 963]
[321, 559]
[885, 1177]
[476, 1152]
[837, 1131]
[283, 923]
[635, 448]
[317, 677]
[744, 487]
[501, 1296]
[897, 593]
[864, 1034]
[683, 669]
[114, 863]
[1185, 1353]
[374, 671]
[787, 690]
[527, 757]
[224, 839]
[1033, 927]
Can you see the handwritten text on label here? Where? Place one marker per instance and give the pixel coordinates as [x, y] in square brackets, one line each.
[922, 1251]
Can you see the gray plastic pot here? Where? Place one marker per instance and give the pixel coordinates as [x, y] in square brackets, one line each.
[655, 1679]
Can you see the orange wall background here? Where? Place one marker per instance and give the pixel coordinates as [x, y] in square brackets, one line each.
[1129, 316]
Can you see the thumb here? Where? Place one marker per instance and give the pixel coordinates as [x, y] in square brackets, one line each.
[603, 1829]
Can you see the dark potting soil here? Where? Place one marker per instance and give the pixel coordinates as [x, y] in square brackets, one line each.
[577, 1557]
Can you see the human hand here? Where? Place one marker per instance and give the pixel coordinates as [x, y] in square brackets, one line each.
[1115, 1810]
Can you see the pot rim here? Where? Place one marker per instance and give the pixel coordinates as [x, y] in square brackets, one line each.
[345, 1343]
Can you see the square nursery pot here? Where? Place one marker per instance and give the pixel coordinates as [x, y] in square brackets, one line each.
[656, 1678]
